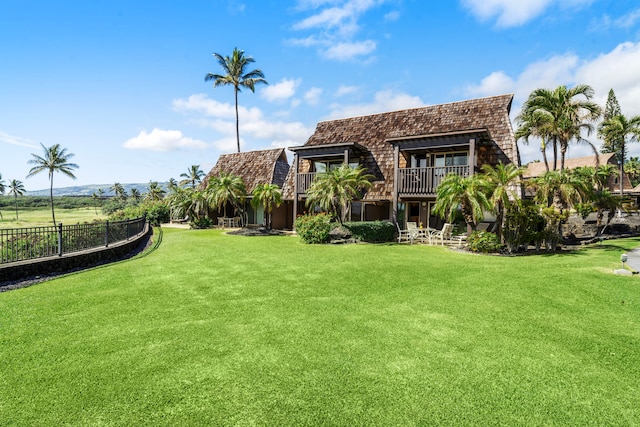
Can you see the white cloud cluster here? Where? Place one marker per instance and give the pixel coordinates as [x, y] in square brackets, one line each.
[512, 13]
[337, 23]
[284, 89]
[384, 100]
[618, 69]
[625, 21]
[16, 140]
[162, 140]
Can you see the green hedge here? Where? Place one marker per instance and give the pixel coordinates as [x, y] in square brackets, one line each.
[313, 228]
[483, 241]
[372, 231]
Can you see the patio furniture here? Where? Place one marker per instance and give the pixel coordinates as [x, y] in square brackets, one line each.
[225, 222]
[443, 234]
[404, 235]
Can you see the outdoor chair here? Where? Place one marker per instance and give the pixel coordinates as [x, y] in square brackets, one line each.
[404, 235]
[443, 234]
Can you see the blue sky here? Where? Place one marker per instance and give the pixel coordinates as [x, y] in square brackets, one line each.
[121, 83]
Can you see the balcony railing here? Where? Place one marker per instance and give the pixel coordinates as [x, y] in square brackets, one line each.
[303, 181]
[421, 181]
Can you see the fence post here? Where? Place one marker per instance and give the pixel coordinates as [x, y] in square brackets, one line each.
[106, 234]
[128, 229]
[60, 239]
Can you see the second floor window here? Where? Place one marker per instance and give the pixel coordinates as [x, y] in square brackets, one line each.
[323, 166]
[451, 159]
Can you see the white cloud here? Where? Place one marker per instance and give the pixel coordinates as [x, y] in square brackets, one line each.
[385, 100]
[512, 13]
[16, 140]
[202, 104]
[337, 23]
[346, 90]
[618, 69]
[284, 89]
[624, 22]
[392, 16]
[162, 140]
[346, 51]
[312, 96]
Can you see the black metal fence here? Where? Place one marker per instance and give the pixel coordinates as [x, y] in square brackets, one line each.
[19, 244]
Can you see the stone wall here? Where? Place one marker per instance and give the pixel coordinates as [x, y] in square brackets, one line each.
[73, 261]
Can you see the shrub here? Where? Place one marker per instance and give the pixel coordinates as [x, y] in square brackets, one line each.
[372, 231]
[203, 222]
[483, 241]
[157, 213]
[313, 228]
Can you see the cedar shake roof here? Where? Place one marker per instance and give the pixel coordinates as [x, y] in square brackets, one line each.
[488, 117]
[254, 167]
[536, 169]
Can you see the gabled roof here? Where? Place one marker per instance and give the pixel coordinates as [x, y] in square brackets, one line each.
[378, 132]
[535, 169]
[254, 167]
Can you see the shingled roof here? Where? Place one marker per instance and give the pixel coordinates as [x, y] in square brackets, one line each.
[254, 167]
[377, 132]
[535, 169]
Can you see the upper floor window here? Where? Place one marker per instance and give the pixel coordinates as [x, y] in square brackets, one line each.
[323, 166]
[451, 159]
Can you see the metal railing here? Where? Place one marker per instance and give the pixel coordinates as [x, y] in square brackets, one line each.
[21, 244]
[426, 180]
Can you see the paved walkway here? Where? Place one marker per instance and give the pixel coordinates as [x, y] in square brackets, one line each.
[633, 259]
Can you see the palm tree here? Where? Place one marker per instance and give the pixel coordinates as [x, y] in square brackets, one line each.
[2, 190]
[94, 196]
[187, 203]
[16, 187]
[236, 75]
[118, 190]
[632, 169]
[532, 123]
[568, 112]
[193, 176]
[226, 188]
[172, 183]
[334, 190]
[267, 195]
[467, 194]
[617, 129]
[55, 159]
[503, 184]
[561, 190]
[135, 194]
[155, 192]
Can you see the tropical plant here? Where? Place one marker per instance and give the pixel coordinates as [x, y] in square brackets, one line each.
[468, 195]
[313, 228]
[632, 169]
[224, 189]
[118, 191]
[2, 190]
[54, 159]
[568, 112]
[334, 190]
[533, 123]
[94, 196]
[503, 183]
[135, 195]
[611, 109]
[236, 75]
[269, 196]
[187, 203]
[559, 189]
[154, 192]
[193, 176]
[620, 130]
[16, 187]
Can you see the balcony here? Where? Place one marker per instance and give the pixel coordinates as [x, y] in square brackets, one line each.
[303, 182]
[425, 181]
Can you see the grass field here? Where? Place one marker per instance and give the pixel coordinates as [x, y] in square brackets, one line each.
[212, 329]
[31, 217]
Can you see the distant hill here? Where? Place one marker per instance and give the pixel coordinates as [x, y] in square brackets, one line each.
[88, 190]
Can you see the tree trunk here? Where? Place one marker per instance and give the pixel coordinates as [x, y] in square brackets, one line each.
[237, 121]
[53, 214]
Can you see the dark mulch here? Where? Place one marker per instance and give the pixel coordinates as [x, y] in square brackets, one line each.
[259, 231]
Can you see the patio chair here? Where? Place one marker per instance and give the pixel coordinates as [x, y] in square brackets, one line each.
[443, 234]
[404, 235]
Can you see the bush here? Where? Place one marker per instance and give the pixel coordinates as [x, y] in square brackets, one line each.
[313, 228]
[483, 241]
[157, 213]
[372, 231]
[204, 222]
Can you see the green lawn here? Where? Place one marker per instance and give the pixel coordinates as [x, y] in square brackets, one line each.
[32, 217]
[211, 329]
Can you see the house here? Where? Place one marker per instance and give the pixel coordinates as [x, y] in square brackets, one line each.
[256, 167]
[408, 152]
[536, 169]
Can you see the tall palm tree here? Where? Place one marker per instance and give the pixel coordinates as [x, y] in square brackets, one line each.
[16, 187]
[632, 169]
[467, 194]
[335, 189]
[236, 75]
[94, 196]
[135, 195]
[623, 130]
[503, 185]
[561, 190]
[269, 196]
[118, 190]
[155, 192]
[193, 176]
[568, 112]
[532, 123]
[224, 189]
[55, 159]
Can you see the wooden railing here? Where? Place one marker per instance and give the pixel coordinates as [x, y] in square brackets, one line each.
[420, 181]
[303, 181]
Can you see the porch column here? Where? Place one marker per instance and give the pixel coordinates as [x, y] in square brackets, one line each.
[396, 173]
[345, 159]
[472, 156]
[295, 188]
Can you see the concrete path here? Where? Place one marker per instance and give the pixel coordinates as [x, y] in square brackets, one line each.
[633, 259]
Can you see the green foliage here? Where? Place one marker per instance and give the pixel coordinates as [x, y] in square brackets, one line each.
[313, 228]
[583, 209]
[523, 226]
[484, 242]
[372, 231]
[202, 222]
